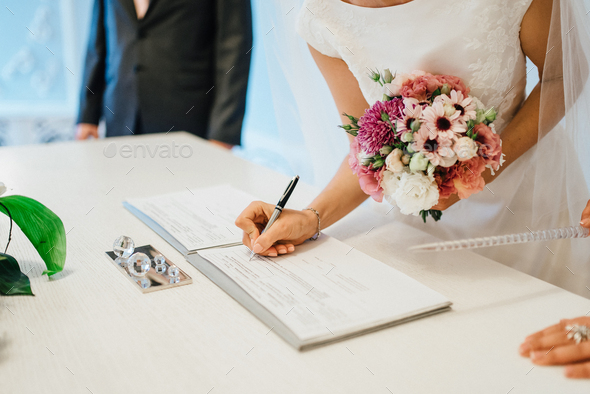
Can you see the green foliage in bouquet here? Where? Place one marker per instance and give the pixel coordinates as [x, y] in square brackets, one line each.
[46, 232]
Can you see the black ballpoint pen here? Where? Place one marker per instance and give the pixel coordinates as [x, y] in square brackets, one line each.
[279, 207]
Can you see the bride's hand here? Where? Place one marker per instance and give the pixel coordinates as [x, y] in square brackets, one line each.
[290, 229]
[444, 204]
[551, 346]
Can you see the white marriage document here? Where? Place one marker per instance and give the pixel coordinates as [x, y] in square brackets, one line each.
[194, 220]
[323, 292]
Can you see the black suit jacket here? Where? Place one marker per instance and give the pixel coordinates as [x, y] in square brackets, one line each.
[184, 66]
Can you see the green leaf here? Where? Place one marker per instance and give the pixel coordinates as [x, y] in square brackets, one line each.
[435, 94]
[435, 213]
[42, 227]
[12, 281]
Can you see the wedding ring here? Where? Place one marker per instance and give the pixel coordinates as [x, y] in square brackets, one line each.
[578, 333]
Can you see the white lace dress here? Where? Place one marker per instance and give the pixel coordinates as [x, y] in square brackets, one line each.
[478, 41]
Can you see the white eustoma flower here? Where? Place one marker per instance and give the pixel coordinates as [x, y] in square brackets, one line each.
[478, 102]
[394, 88]
[2, 188]
[364, 158]
[415, 192]
[390, 183]
[418, 162]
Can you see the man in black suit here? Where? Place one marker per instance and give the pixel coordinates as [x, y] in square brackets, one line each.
[161, 65]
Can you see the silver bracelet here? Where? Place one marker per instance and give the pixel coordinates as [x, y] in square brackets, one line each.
[317, 214]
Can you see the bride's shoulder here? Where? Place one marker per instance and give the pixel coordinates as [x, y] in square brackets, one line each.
[317, 8]
[312, 22]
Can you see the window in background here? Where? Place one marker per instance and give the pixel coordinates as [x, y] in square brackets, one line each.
[260, 138]
[40, 64]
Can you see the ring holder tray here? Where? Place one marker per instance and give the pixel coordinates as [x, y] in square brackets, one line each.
[153, 281]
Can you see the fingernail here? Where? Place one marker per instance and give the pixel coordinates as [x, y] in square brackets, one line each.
[524, 349]
[536, 355]
[585, 222]
[272, 254]
[569, 371]
[291, 248]
[257, 248]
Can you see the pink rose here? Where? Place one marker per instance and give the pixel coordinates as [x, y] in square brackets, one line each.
[421, 87]
[369, 180]
[454, 83]
[353, 160]
[467, 177]
[490, 148]
[371, 184]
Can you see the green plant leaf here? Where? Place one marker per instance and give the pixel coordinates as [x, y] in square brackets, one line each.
[42, 227]
[12, 281]
[435, 213]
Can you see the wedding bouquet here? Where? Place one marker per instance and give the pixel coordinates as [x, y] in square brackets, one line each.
[425, 141]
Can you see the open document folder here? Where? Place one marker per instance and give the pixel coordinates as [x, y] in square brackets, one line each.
[324, 292]
[196, 219]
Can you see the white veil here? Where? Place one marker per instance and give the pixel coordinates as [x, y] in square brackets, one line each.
[561, 168]
[305, 111]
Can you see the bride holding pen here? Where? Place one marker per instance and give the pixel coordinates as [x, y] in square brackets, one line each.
[484, 43]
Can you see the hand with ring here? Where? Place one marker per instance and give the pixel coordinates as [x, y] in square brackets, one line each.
[566, 343]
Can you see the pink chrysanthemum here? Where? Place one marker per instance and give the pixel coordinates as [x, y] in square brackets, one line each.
[464, 105]
[412, 111]
[441, 124]
[374, 132]
[434, 149]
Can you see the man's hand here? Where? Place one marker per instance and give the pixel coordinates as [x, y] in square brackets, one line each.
[85, 130]
[221, 144]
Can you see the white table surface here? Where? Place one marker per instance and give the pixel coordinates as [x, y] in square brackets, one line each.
[88, 330]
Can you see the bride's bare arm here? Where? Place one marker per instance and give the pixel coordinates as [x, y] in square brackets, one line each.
[344, 187]
[522, 132]
[341, 196]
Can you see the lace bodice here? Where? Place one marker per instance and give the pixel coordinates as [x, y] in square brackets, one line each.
[476, 40]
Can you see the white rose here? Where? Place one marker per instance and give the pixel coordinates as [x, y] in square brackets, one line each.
[465, 148]
[415, 192]
[393, 161]
[2, 188]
